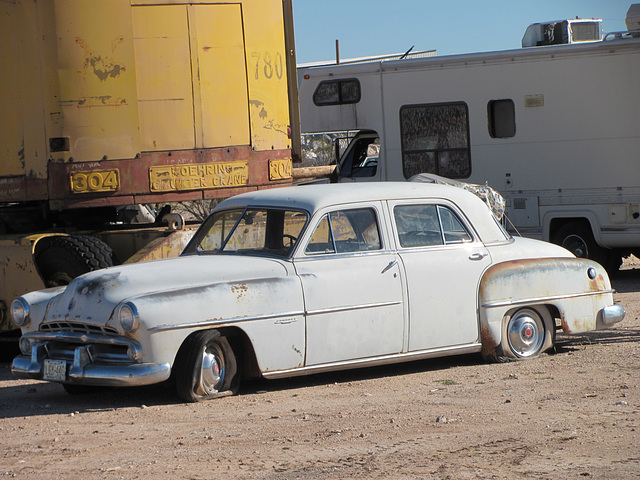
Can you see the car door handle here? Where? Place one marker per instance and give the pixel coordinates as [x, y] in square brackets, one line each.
[390, 266]
[478, 256]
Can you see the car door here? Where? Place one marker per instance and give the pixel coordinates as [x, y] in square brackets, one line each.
[352, 287]
[443, 260]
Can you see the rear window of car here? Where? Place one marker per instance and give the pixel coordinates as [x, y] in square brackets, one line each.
[429, 225]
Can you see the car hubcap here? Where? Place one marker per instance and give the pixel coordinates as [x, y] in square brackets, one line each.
[525, 334]
[211, 373]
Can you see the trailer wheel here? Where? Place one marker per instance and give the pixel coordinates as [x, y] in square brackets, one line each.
[206, 367]
[578, 239]
[61, 259]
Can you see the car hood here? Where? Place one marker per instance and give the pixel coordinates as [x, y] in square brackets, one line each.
[91, 298]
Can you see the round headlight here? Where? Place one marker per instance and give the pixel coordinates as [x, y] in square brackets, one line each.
[128, 316]
[20, 312]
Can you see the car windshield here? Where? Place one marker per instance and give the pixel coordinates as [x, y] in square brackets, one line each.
[263, 231]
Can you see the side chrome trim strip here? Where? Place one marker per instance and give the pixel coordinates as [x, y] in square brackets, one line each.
[544, 299]
[286, 316]
[208, 323]
[376, 361]
[353, 307]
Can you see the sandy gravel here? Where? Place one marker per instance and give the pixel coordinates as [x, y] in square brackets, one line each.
[573, 414]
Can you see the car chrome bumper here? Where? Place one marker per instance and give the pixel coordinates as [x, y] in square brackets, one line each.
[613, 314]
[80, 372]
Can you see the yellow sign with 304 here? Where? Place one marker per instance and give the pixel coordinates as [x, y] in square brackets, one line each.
[280, 169]
[169, 178]
[95, 181]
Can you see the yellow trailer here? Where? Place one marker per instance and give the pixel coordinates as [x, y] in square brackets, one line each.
[130, 102]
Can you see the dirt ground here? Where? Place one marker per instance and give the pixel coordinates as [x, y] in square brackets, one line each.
[571, 414]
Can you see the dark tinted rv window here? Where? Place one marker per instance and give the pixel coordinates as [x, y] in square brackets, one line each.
[337, 92]
[435, 139]
[502, 118]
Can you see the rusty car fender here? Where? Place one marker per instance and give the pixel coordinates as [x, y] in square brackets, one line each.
[570, 289]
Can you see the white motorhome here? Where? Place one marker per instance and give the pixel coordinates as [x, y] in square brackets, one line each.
[555, 128]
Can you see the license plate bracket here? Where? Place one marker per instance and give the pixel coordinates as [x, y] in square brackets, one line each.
[55, 370]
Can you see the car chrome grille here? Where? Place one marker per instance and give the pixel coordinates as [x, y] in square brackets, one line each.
[77, 327]
[98, 353]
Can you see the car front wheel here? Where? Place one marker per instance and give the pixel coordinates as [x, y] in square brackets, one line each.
[206, 367]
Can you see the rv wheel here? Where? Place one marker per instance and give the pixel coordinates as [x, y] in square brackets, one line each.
[578, 239]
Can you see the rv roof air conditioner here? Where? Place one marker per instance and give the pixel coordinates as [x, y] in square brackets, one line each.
[632, 19]
[562, 32]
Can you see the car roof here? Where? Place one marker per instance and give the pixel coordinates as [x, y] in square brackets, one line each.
[317, 197]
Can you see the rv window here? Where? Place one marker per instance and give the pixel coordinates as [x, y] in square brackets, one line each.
[435, 139]
[502, 118]
[337, 92]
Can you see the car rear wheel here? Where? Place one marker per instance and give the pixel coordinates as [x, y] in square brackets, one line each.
[525, 333]
[206, 367]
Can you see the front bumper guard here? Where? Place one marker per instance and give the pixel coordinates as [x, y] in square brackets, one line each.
[82, 372]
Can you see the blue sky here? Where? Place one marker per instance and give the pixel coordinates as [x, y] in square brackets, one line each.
[376, 27]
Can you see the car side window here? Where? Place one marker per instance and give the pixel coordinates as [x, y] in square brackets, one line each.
[452, 228]
[345, 231]
[428, 225]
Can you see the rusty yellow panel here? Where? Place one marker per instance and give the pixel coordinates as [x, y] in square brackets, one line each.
[163, 70]
[22, 136]
[169, 178]
[11, 125]
[267, 73]
[18, 273]
[219, 72]
[95, 181]
[97, 77]
[280, 169]
[166, 246]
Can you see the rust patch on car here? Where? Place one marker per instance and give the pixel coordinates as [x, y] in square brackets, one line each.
[598, 284]
[488, 341]
[487, 338]
[577, 325]
[239, 290]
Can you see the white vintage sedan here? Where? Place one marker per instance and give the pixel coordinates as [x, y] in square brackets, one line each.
[310, 279]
